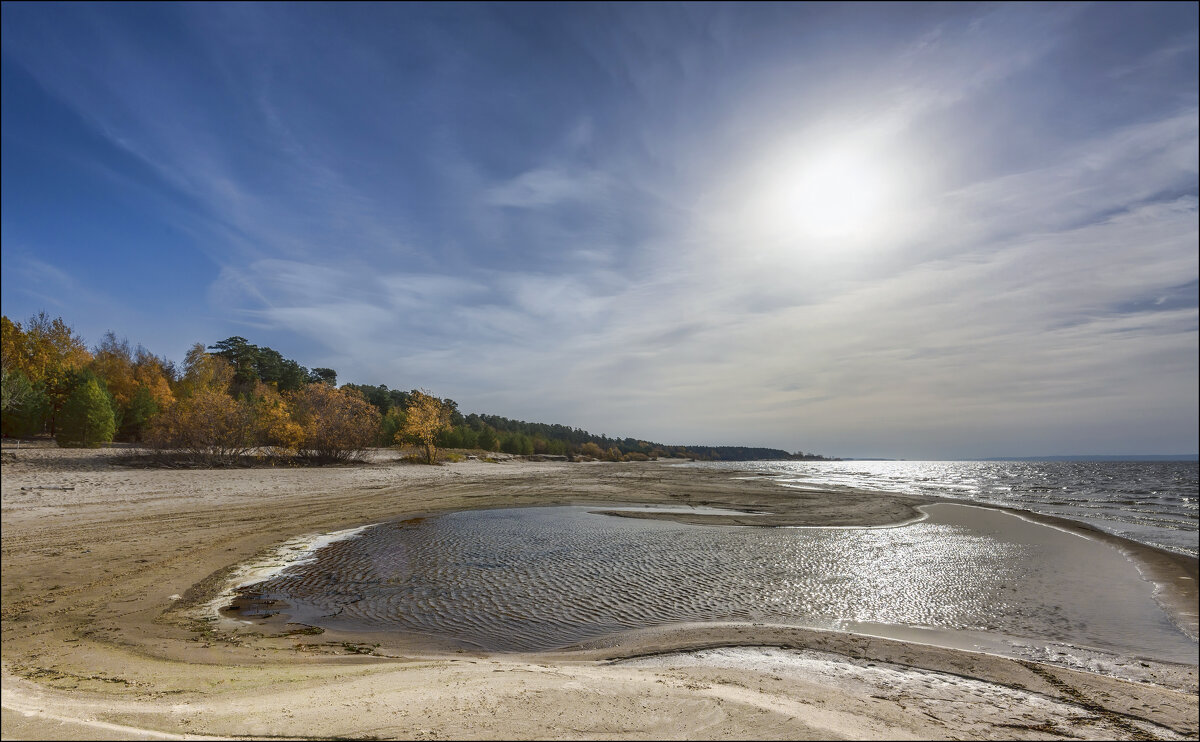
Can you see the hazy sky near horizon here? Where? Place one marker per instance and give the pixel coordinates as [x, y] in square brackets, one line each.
[919, 231]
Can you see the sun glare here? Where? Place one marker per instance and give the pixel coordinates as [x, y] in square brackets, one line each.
[837, 194]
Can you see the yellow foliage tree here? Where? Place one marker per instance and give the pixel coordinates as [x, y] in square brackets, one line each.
[112, 361]
[203, 370]
[12, 345]
[425, 417]
[150, 372]
[273, 421]
[137, 382]
[48, 353]
[209, 426]
[337, 424]
[46, 350]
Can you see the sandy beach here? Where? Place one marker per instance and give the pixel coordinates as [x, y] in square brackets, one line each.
[108, 570]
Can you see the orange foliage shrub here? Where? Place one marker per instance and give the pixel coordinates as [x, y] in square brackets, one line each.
[337, 424]
[273, 423]
[209, 426]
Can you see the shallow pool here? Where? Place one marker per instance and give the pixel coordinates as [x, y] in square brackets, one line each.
[541, 578]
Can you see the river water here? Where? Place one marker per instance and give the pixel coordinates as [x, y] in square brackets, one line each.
[1155, 503]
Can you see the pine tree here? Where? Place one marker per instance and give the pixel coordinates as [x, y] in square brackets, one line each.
[487, 439]
[140, 409]
[87, 417]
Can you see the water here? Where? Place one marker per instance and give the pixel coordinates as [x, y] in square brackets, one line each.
[1154, 503]
[540, 578]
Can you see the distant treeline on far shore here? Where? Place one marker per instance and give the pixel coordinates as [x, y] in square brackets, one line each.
[233, 399]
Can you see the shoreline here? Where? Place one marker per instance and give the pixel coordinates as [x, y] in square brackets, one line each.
[294, 552]
[1102, 524]
[90, 629]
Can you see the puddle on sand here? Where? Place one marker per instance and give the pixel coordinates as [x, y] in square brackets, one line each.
[540, 578]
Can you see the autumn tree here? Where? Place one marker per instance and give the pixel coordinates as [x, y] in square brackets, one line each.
[137, 381]
[52, 350]
[12, 345]
[152, 394]
[425, 417]
[112, 361]
[48, 353]
[155, 374]
[273, 424]
[337, 424]
[203, 370]
[86, 419]
[208, 426]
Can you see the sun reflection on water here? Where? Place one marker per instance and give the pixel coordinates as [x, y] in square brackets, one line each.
[538, 578]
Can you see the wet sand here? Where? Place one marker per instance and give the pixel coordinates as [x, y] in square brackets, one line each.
[103, 631]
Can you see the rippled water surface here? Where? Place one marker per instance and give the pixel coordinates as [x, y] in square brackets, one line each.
[539, 578]
[1154, 502]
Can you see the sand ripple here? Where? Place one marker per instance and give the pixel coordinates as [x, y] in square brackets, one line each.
[540, 578]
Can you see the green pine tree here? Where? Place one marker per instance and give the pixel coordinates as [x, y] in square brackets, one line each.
[487, 439]
[141, 408]
[393, 421]
[87, 418]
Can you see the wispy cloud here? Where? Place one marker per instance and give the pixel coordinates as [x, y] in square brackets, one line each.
[558, 215]
[544, 187]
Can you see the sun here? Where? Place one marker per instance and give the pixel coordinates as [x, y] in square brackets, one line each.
[831, 194]
[838, 194]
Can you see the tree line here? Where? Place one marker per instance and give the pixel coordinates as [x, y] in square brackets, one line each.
[233, 398]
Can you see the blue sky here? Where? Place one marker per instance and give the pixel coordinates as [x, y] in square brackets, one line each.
[915, 231]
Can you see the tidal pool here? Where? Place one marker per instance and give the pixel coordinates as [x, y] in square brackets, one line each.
[529, 579]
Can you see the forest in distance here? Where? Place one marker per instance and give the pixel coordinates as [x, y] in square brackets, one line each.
[232, 399]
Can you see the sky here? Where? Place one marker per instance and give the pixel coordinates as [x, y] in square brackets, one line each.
[900, 230]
